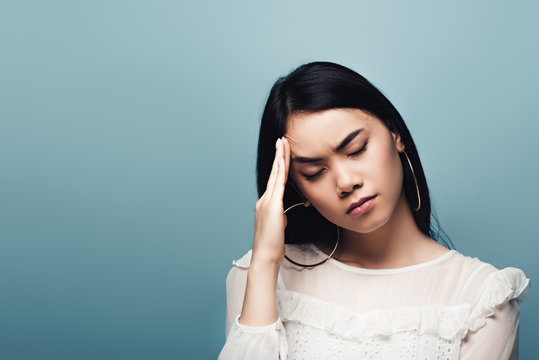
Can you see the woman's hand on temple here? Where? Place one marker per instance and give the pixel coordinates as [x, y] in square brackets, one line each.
[270, 220]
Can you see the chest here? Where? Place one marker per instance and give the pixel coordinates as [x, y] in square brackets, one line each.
[307, 342]
[318, 329]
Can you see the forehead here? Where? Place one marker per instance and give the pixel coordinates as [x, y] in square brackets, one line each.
[327, 128]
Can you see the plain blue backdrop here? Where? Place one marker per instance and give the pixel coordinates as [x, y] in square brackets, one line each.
[128, 133]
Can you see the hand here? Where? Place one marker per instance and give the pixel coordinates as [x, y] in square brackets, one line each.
[270, 220]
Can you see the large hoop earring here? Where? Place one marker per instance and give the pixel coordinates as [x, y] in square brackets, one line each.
[415, 181]
[321, 262]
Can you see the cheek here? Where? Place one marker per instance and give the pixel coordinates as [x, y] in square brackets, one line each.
[384, 171]
[393, 172]
[300, 184]
[314, 191]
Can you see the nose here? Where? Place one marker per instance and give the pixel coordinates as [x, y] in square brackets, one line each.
[347, 180]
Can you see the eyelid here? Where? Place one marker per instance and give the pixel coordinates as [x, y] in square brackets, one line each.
[356, 153]
[363, 148]
[312, 177]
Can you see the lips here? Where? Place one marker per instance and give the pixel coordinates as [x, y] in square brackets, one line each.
[359, 202]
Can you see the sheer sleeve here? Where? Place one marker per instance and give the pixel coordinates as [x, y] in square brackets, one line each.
[497, 339]
[494, 318]
[249, 342]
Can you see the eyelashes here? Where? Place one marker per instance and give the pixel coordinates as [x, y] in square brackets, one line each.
[360, 150]
[354, 154]
[312, 177]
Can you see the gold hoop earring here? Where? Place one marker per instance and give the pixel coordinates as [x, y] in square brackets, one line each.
[321, 262]
[415, 181]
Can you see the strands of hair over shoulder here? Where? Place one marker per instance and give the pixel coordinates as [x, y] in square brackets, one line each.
[320, 86]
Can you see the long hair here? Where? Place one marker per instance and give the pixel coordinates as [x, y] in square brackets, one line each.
[320, 86]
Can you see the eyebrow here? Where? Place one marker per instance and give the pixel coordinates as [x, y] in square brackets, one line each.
[342, 145]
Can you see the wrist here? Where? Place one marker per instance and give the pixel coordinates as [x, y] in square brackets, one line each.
[266, 262]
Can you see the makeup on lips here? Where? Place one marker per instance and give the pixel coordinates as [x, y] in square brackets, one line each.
[366, 205]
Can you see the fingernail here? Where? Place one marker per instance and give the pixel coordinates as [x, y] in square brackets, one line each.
[277, 143]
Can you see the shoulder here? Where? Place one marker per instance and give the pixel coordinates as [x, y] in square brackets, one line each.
[488, 274]
[487, 287]
[472, 266]
[484, 277]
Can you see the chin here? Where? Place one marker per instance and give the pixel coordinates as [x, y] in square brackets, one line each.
[367, 222]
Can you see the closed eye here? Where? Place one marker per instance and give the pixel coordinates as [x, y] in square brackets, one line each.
[312, 177]
[360, 150]
[354, 154]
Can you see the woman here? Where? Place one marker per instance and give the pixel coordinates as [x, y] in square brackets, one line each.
[365, 275]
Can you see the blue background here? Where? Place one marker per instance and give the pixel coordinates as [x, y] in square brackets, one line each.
[128, 134]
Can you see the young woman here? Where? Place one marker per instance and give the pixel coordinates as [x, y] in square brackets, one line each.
[344, 199]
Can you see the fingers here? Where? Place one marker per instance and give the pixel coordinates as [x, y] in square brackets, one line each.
[274, 169]
[286, 155]
[282, 173]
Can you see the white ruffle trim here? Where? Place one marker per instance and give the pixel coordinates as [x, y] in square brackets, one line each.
[499, 286]
[449, 322]
[245, 260]
[277, 325]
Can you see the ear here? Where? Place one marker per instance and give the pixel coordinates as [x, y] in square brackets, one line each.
[398, 141]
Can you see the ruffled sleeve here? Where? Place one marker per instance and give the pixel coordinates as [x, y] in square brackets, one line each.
[493, 322]
[255, 342]
[248, 342]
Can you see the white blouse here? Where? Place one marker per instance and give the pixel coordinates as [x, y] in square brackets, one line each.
[452, 307]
